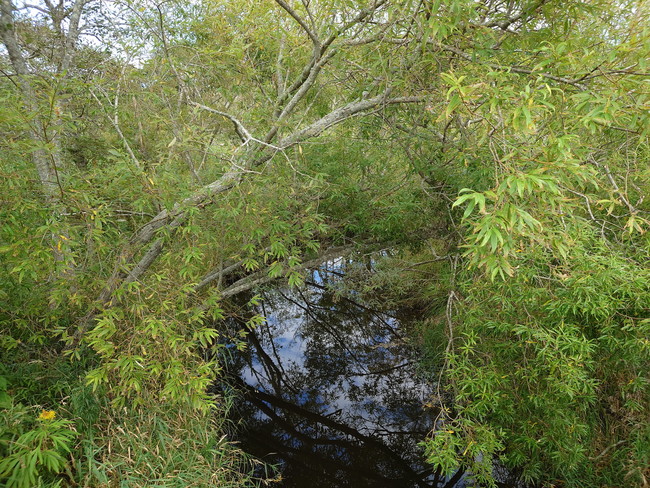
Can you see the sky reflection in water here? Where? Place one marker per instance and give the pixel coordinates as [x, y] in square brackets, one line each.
[331, 392]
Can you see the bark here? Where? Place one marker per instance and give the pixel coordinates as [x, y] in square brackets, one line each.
[40, 158]
[46, 161]
[72, 36]
[43, 160]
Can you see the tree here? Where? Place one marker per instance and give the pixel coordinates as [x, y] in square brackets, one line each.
[546, 352]
[45, 127]
[154, 221]
[213, 147]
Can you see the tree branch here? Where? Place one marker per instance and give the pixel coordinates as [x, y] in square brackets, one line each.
[342, 113]
[302, 91]
[262, 277]
[312, 35]
[515, 69]
[504, 24]
[73, 33]
[361, 16]
[217, 274]
[318, 60]
[177, 216]
[243, 133]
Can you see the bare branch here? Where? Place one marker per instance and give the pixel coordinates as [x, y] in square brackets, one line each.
[312, 35]
[343, 113]
[38, 8]
[302, 91]
[217, 274]
[360, 17]
[312, 21]
[73, 33]
[116, 125]
[243, 133]
[318, 60]
[304, 74]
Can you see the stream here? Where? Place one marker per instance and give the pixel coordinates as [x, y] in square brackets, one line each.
[330, 395]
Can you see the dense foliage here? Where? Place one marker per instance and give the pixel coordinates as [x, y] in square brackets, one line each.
[159, 159]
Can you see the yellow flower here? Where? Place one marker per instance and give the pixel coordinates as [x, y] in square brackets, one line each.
[47, 415]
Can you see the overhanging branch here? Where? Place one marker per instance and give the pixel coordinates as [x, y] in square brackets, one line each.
[262, 277]
[243, 133]
[514, 69]
[177, 216]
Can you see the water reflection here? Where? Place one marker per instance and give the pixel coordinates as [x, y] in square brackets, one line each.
[330, 392]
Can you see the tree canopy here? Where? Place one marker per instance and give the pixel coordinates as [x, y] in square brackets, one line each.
[160, 159]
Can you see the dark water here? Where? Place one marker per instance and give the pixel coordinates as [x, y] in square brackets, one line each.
[330, 392]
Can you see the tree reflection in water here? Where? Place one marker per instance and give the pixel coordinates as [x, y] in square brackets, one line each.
[330, 392]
